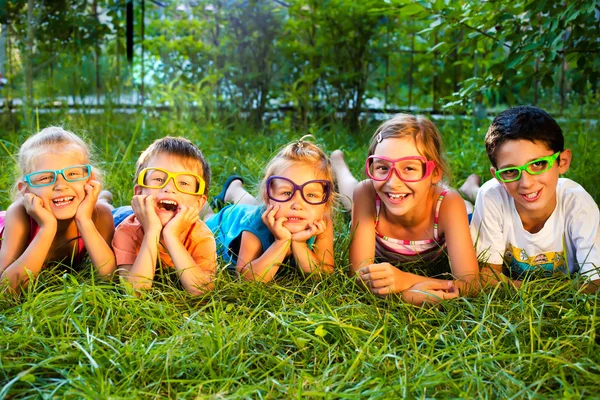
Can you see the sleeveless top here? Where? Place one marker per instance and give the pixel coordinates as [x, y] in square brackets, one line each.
[34, 228]
[398, 250]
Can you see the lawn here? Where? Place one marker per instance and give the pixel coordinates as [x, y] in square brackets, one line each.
[70, 335]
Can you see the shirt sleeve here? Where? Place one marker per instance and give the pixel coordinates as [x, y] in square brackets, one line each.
[126, 243]
[583, 230]
[487, 228]
[203, 249]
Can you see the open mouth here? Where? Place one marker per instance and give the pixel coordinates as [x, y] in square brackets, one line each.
[62, 201]
[167, 205]
[397, 197]
[532, 196]
[294, 219]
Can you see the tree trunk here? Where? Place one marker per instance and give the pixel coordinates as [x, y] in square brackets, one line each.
[29, 53]
[96, 52]
[411, 69]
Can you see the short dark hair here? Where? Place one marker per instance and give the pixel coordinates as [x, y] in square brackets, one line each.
[523, 123]
[179, 147]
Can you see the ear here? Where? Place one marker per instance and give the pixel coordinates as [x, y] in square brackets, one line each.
[493, 172]
[137, 190]
[564, 161]
[22, 187]
[200, 201]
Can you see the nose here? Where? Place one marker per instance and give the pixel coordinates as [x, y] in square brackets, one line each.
[394, 179]
[526, 179]
[170, 186]
[297, 200]
[60, 181]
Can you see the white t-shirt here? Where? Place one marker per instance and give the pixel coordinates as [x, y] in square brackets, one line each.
[571, 233]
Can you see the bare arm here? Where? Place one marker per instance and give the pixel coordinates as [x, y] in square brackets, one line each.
[264, 265]
[18, 258]
[97, 233]
[362, 245]
[454, 225]
[491, 275]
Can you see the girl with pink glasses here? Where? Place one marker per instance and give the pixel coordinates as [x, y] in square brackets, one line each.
[409, 232]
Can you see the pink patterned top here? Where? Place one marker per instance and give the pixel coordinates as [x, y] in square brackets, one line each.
[398, 250]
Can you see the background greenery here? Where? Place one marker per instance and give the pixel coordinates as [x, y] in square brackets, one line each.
[207, 71]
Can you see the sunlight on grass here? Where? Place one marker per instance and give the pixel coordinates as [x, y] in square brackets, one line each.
[73, 335]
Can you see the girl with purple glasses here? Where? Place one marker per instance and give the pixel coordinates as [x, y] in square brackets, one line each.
[292, 226]
[406, 225]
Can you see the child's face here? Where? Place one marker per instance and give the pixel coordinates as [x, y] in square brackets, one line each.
[398, 196]
[298, 212]
[169, 198]
[62, 197]
[535, 195]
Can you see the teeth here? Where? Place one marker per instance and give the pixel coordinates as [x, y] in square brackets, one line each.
[61, 201]
[168, 205]
[397, 196]
[531, 195]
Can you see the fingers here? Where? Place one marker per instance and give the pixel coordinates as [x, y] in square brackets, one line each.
[92, 188]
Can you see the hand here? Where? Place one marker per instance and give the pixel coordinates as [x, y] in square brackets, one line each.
[381, 279]
[86, 208]
[314, 229]
[186, 216]
[40, 212]
[144, 210]
[276, 225]
[431, 291]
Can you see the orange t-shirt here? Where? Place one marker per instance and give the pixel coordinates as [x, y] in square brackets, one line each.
[198, 240]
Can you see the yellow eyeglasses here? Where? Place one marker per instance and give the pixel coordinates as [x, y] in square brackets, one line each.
[185, 182]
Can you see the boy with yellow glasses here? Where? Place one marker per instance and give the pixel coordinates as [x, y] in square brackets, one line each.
[172, 179]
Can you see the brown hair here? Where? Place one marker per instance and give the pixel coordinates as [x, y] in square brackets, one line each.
[179, 147]
[425, 134]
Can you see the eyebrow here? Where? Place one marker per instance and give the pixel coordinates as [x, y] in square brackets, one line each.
[514, 165]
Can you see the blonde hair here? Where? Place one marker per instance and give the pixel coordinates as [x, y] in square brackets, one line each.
[180, 147]
[303, 153]
[425, 134]
[46, 141]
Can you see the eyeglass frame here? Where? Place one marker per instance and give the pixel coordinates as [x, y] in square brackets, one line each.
[429, 167]
[27, 178]
[299, 188]
[550, 159]
[172, 176]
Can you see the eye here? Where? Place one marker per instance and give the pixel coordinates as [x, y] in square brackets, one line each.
[157, 179]
[510, 172]
[44, 178]
[541, 164]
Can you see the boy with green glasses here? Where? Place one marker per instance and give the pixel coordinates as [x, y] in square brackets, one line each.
[172, 179]
[528, 221]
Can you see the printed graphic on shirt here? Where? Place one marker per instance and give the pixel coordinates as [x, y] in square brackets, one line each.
[519, 263]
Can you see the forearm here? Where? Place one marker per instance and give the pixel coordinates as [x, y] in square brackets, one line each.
[591, 286]
[141, 273]
[311, 261]
[493, 275]
[31, 261]
[194, 279]
[266, 266]
[101, 254]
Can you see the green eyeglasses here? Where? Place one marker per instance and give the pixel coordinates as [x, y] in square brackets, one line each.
[185, 182]
[535, 167]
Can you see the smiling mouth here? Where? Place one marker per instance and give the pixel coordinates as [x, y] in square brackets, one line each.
[397, 196]
[532, 196]
[167, 205]
[62, 201]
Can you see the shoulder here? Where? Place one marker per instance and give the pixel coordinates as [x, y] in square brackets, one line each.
[571, 192]
[364, 188]
[129, 225]
[201, 232]
[16, 213]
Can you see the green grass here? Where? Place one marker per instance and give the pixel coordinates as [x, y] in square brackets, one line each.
[70, 335]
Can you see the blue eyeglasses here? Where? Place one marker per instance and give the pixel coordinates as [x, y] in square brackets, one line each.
[48, 177]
